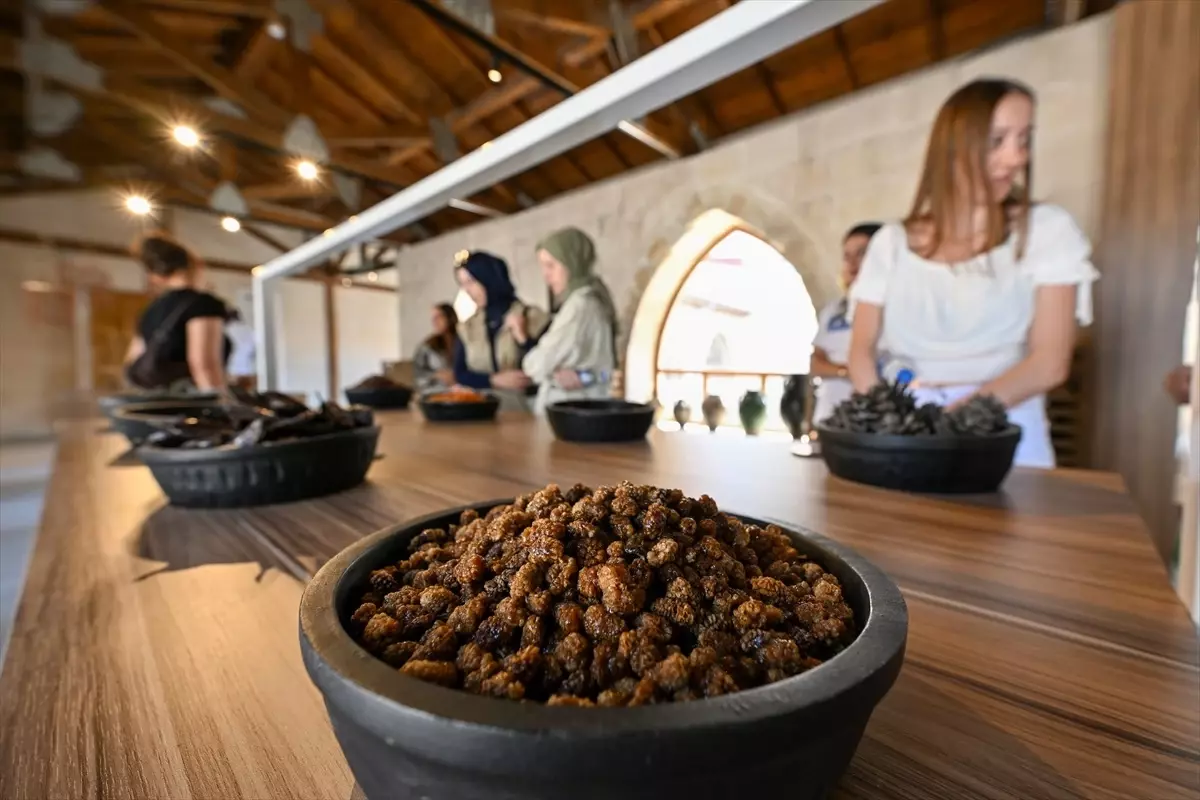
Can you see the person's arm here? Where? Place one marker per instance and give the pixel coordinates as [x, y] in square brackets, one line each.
[1051, 343]
[137, 346]
[467, 377]
[205, 352]
[562, 343]
[820, 366]
[864, 336]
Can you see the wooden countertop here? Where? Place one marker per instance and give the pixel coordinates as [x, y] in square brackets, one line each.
[155, 652]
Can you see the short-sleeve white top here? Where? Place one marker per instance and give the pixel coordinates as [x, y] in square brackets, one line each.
[969, 322]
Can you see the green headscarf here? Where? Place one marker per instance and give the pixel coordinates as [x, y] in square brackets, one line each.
[574, 249]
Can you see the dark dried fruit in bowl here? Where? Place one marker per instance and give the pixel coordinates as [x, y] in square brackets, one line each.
[257, 418]
[891, 408]
[531, 602]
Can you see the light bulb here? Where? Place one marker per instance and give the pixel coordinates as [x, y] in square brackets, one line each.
[494, 75]
[372, 277]
[306, 170]
[185, 135]
[231, 224]
[276, 30]
[136, 204]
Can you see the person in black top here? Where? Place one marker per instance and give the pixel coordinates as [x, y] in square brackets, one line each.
[187, 324]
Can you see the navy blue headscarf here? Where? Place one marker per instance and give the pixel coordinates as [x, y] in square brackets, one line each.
[492, 272]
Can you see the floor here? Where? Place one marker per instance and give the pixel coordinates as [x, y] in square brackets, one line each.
[24, 472]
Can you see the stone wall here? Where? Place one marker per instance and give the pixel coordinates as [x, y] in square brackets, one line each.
[801, 180]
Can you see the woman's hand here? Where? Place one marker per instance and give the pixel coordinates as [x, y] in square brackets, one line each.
[515, 324]
[510, 379]
[568, 379]
[445, 377]
[1178, 384]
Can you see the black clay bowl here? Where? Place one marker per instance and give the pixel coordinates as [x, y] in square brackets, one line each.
[138, 420]
[600, 420]
[275, 472]
[384, 398]
[932, 464]
[460, 412]
[405, 738]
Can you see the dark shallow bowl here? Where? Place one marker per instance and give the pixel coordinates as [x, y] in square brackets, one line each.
[932, 464]
[600, 420]
[460, 412]
[405, 738]
[138, 420]
[275, 472]
[391, 397]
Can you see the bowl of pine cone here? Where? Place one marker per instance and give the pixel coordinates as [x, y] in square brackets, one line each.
[884, 437]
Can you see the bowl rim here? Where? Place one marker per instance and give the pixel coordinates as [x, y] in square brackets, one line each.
[131, 410]
[489, 397]
[626, 407]
[181, 455]
[343, 668]
[397, 388]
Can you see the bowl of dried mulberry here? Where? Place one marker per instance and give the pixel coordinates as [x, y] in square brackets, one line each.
[884, 437]
[623, 642]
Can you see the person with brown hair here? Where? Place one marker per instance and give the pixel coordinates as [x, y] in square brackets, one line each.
[979, 290]
[433, 363]
[180, 340]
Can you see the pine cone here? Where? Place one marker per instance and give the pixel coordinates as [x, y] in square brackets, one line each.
[979, 416]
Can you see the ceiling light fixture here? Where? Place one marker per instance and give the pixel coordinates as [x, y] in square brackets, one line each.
[136, 204]
[494, 75]
[185, 135]
[307, 170]
[372, 276]
[231, 224]
[276, 30]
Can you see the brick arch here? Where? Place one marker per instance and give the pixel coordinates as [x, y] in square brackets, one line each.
[692, 224]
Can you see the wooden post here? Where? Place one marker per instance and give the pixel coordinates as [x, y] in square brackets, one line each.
[331, 343]
[1145, 250]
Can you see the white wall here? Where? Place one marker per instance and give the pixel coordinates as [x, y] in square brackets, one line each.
[368, 333]
[802, 180]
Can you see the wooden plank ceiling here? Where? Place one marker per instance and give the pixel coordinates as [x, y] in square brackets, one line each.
[379, 76]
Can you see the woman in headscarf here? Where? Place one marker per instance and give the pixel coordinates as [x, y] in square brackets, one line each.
[488, 353]
[576, 356]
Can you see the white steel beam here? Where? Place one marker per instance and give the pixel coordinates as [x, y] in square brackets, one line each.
[736, 38]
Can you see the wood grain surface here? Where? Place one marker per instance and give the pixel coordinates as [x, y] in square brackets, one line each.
[155, 652]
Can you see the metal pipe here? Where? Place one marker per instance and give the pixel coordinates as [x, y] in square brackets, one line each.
[736, 38]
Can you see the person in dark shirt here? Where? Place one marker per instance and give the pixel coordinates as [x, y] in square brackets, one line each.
[489, 350]
[192, 322]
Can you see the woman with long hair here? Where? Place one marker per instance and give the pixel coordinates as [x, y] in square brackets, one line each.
[180, 341]
[488, 354]
[433, 363]
[576, 357]
[979, 289]
[831, 347]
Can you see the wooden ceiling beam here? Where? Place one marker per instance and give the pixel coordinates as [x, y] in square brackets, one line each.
[651, 15]
[934, 31]
[844, 50]
[233, 8]
[256, 56]
[533, 68]
[226, 83]
[362, 74]
[554, 24]
[166, 106]
[285, 190]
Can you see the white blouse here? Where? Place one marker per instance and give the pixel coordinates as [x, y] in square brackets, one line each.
[968, 323]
